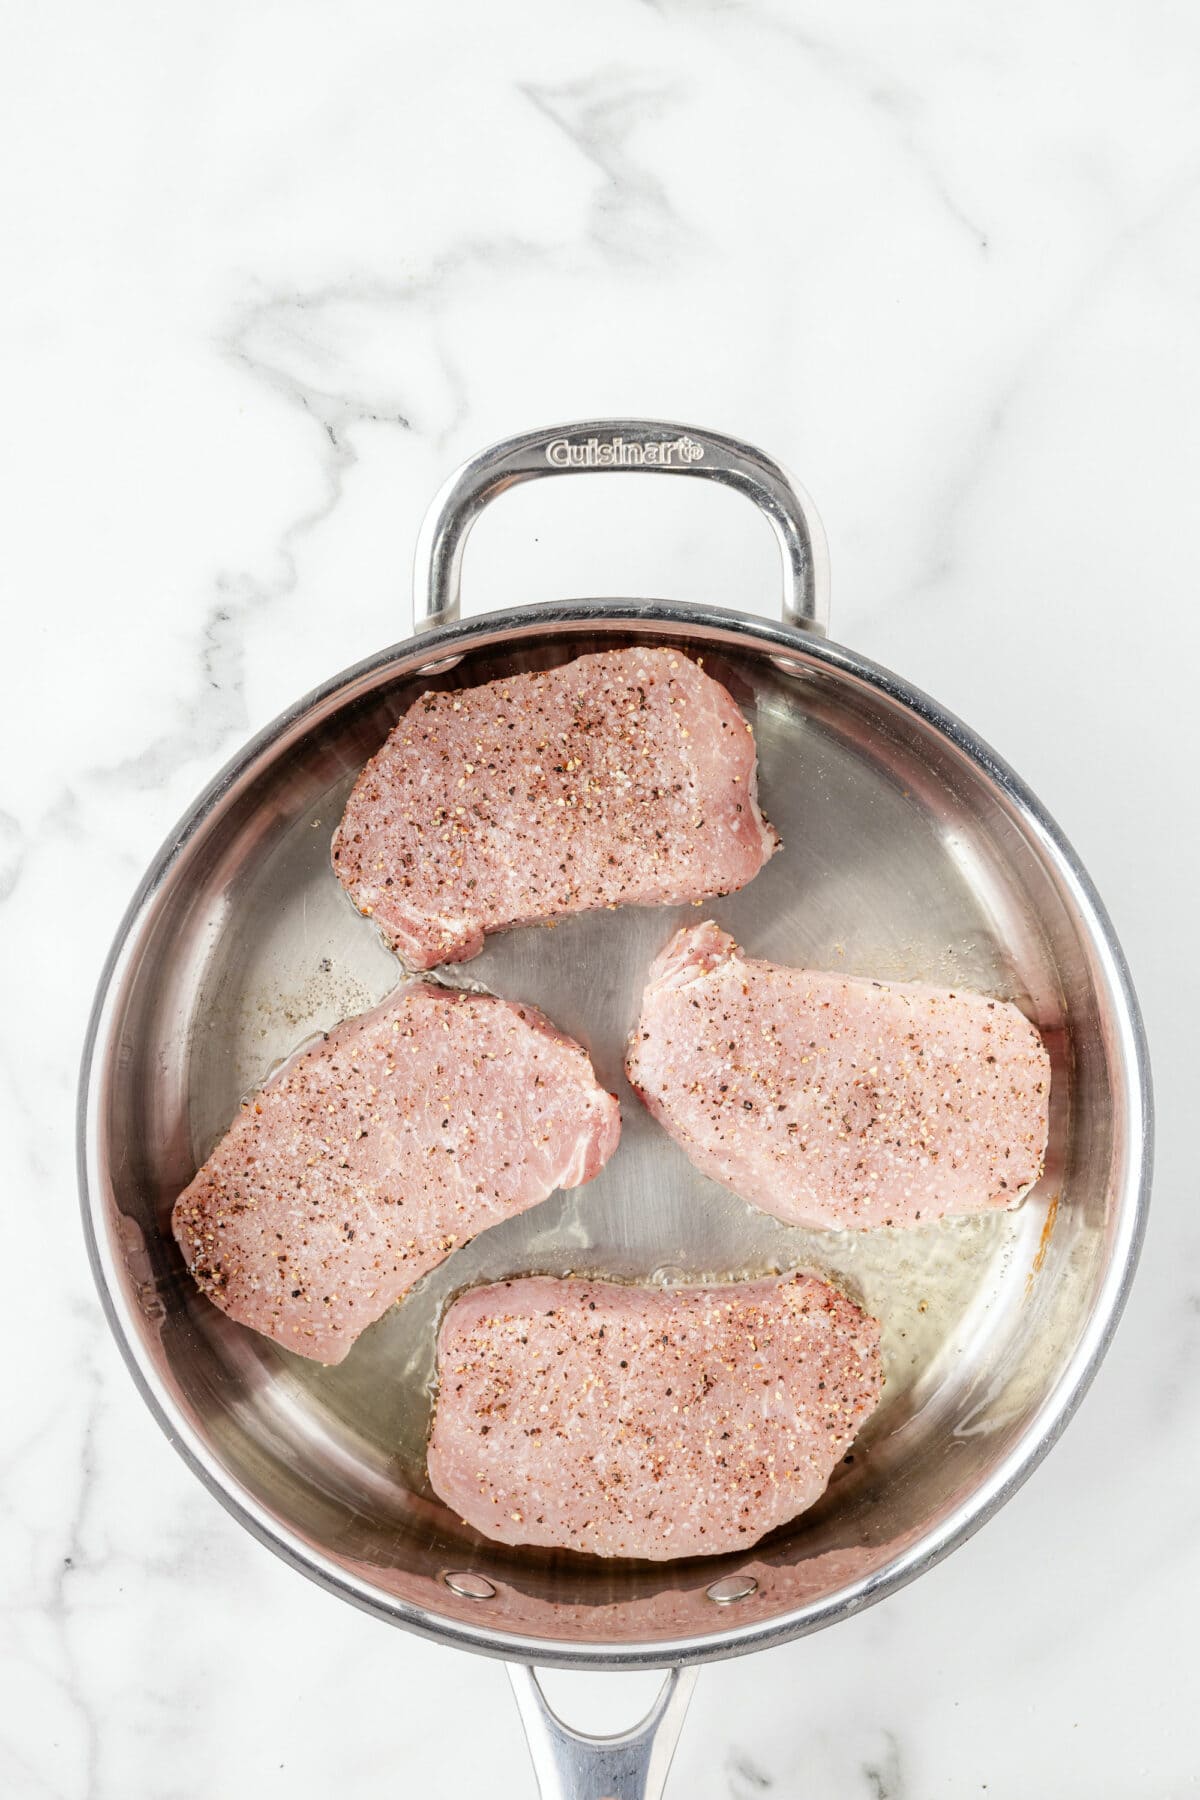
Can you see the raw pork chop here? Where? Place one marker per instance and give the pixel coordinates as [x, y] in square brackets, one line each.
[836, 1101]
[632, 1421]
[366, 1160]
[626, 778]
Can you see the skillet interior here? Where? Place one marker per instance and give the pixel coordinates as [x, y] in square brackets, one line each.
[904, 857]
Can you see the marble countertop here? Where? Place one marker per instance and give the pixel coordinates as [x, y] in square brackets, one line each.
[271, 272]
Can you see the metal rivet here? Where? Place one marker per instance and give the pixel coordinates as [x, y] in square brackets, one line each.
[731, 1588]
[471, 1587]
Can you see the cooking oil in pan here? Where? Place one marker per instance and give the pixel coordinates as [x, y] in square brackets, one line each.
[871, 880]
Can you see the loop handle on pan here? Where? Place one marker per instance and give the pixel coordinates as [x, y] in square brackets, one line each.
[608, 446]
[571, 1765]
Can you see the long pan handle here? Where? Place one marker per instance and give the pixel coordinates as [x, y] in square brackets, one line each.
[615, 446]
[572, 1765]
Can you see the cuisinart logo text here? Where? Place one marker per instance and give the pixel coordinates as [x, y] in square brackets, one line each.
[615, 453]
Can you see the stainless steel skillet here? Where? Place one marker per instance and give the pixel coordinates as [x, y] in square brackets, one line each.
[911, 850]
